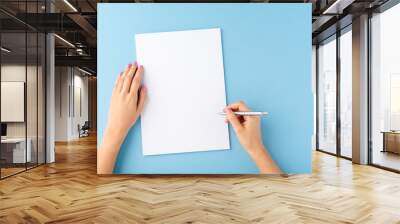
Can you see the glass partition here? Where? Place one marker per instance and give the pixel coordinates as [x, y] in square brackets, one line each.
[22, 67]
[14, 153]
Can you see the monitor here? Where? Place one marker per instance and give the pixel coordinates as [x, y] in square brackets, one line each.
[3, 129]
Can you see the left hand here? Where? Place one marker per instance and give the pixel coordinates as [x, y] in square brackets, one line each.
[127, 100]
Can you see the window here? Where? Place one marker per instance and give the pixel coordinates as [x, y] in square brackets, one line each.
[395, 102]
[327, 96]
[334, 138]
[385, 89]
[346, 93]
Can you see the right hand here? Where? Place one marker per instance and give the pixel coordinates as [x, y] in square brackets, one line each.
[248, 131]
[247, 128]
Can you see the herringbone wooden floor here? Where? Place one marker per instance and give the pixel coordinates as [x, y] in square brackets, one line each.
[69, 191]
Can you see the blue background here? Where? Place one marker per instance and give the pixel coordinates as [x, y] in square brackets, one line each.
[267, 62]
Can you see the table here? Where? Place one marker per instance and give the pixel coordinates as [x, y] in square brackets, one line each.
[391, 141]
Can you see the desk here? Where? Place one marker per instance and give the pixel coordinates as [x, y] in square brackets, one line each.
[391, 141]
[17, 151]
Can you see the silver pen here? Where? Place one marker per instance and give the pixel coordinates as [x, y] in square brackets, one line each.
[247, 113]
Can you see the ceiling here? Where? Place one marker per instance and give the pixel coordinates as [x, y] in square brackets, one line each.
[76, 22]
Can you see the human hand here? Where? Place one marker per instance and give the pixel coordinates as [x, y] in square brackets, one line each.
[248, 131]
[247, 128]
[127, 100]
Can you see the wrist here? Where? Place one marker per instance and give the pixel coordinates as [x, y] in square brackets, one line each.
[257, 153]
[256, 149]
[264, 161]
[113, 137]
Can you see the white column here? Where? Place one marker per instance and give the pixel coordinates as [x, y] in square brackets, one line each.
[50, 110]
[50, 92]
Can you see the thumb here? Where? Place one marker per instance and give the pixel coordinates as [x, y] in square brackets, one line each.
[233, 119]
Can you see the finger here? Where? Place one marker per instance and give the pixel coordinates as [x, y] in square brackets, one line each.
[142, 99]
[118, 81]
[242, 107]
[128, 68]
[137, 79]
[239, 106]
[122, 79]
[128, 78]
[233, 120]
[133, 69]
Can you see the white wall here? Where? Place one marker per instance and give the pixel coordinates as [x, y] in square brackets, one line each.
[80, 84]
[70, 83]
[62, 81]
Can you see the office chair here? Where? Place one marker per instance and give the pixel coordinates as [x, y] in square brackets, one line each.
[84, 130]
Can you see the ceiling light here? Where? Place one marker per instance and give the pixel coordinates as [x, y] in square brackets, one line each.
[338, 6]
[65, 41]
[70, 5]
[5, 50]
[84, 71]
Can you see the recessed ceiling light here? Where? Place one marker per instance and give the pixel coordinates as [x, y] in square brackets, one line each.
[70, 5]
[5, 50]
[338, 6]
[64, 40]
[84, 71]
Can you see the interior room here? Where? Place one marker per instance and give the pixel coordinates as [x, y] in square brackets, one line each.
[49, 134]
[22, 102]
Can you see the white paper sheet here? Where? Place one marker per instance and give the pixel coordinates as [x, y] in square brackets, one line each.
[184, 75]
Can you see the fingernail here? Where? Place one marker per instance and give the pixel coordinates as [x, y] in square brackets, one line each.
[136, 63]
[129, 65]
[227, 110]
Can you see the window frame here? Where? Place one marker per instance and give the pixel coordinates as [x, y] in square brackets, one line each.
[334, 37]
[381, 9]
